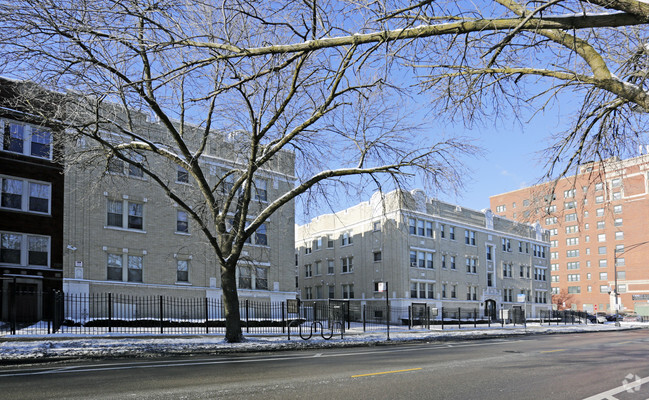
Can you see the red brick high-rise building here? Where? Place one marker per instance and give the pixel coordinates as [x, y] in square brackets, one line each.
[599, 228]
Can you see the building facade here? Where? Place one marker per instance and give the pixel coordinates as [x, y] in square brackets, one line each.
[124, 235]
[599, 241]
[31, 210]
[428, 252]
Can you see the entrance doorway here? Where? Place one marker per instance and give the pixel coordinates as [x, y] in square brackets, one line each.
[490, 309]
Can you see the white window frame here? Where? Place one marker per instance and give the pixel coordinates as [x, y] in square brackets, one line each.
[28, 134]
[24, 243]
[26, 194]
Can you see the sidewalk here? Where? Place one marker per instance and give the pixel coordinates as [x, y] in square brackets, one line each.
[24, 349]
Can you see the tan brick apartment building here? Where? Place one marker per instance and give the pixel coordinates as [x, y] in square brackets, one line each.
[598, 221]
[428, 251]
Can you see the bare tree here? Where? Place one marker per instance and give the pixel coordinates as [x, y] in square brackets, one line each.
[309, 77]
[563, 300]
[124, 62]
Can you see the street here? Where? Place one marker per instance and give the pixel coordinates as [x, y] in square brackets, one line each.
[570, 366]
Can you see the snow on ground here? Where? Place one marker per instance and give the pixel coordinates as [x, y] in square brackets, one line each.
[27, 348]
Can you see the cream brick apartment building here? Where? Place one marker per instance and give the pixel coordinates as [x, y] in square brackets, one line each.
[598, 224]
[428, 251]
[124, 235]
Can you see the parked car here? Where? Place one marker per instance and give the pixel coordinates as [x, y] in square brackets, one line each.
[596, 319]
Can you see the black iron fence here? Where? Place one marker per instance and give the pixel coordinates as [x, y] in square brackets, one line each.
[25, 313]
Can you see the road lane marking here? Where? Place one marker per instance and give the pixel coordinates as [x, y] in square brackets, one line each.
[553, 351]
[386, 372]
[629, 387]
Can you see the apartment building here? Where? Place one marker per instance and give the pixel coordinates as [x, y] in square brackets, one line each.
[428, 252]
[31, 210]
[124, 235]
[599, 244]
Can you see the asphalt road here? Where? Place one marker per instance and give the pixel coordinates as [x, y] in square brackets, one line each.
[575, 366]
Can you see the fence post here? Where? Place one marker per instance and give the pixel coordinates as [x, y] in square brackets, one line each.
[110, 312]
[161, 311]
[442, 318]
[459, 318]
[363, 316]
[206, 308]
[475, 317]
[283, 316]
[428, 317]
[247, 318]
[409, 317]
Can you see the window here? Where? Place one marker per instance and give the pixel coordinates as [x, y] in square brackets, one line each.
[569, 205]
[599, 199]
[551, 220]
[471, 265]
[601, 237]
[114, 267]
[24, 249]
[261, 278]
[501, 209]
[245, 277]
[616, 183]
[261, 238]
[308, 272]
[317, 268]
[25, 195]
[603, 276]
[568, 193]
[572, 229]
[330, 242]
[603, 263]
[261, 189]
[346, 239]
[429, 229]
[182, 222]
[182, 176]
[620, 262]
[490, 251]
[601, 250]
[26, 139]
[317, 244]
[346, 265]
[451, 232]
[507, 270]
[442, 234]
[376, 226]
[444, 290]
[331, 267]
[617, 209]
[116, 218]
[182, 271]
[599, 186]
[348, 291]
[621, 275]
[572, 241]
[571, 217]
[619, 235]
[574, 289]
[506, 244]
[603, 289]
[572, 253]
[134, 268]
[308, 293]
[574, 278]
[444, 261]
[420, 228]
[469, 237]
[134, 170]
[412, 226]
[490, 279]
[601, 224]
[453, 291]
[572, 265]
[332, 292]
[452, 262]
[621, 288]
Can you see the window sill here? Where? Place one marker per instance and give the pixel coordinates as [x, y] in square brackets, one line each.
[116, 228]
[19, 210]
[183, 233]
[183, 284]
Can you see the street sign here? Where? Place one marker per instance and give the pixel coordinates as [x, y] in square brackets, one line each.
[381, 286]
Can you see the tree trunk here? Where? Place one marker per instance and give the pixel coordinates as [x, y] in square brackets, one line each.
[231, 304]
